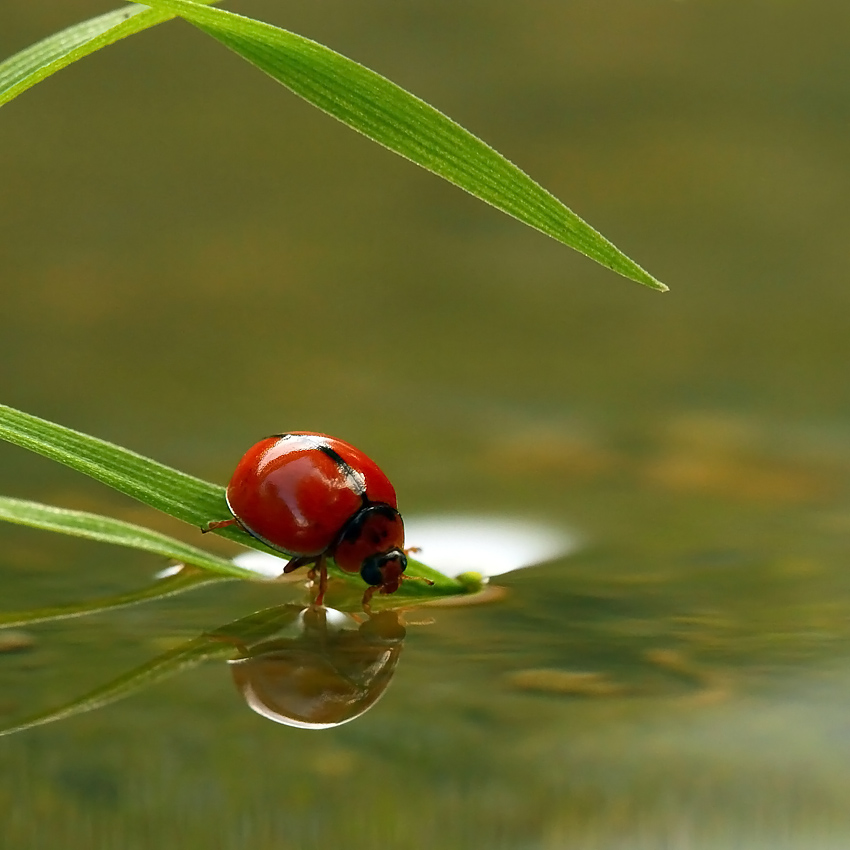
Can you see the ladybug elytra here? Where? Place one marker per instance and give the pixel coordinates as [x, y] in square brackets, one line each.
[315, 497]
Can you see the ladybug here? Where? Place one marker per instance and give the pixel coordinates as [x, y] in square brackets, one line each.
[315, 497]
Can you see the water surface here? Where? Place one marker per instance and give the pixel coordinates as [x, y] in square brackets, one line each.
[192, 258]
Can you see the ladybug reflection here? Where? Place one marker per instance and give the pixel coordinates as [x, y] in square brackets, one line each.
[316, 497]
[329, 671]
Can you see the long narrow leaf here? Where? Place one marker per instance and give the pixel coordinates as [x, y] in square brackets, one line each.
[46, 57]
[360, 98]
[108, 530]
[396, 119]
[175, 493]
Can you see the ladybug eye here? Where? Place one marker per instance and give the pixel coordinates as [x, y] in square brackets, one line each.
[370, 570]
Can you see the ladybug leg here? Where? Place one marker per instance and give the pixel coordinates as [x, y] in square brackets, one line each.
[316, 565]
[295, 563]
[322, 567]
[412, 549]
[221, 523]
[367, 596]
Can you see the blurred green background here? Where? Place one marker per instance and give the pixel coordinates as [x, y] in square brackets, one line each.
[192, 258]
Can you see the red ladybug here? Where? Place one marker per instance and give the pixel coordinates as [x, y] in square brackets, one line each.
[315, 497]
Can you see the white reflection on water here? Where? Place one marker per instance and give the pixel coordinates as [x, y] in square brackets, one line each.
[490, 545]
[452, 544]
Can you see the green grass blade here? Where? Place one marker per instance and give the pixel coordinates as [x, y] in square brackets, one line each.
[46, 57]
[360, 98]
[108, 530]
[396, 119]
[173, 492]
[170, 586]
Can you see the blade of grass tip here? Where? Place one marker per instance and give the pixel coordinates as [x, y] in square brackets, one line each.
[44, 58]
[396, 119]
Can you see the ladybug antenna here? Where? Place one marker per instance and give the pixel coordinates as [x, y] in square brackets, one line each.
[416, 578]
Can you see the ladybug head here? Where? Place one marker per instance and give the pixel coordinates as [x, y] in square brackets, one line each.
[384, 570]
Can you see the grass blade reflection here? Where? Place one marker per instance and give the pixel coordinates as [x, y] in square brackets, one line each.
[217, 644]
[185, 580]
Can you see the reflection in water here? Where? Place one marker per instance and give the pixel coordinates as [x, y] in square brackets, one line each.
[328, 670]
[488, 544]
[310, 667]
[313, 667]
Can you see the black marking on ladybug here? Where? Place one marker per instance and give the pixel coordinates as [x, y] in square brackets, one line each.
[378, 536]
[352, 530]
[355, 480]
